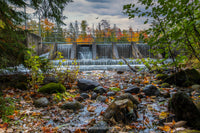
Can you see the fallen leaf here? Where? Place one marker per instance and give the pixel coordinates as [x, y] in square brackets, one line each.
[163, 115]
[11, 116]
[4, 125]
[91, 108]
[164, 128]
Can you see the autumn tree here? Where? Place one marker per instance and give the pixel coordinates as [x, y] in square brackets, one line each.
[176, 27]
[11, 46]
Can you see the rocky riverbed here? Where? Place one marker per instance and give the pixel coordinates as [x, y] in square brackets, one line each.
[107, 101]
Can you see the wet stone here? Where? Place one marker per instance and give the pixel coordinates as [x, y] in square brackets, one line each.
[110, 93]
[151, 90]
[41, 102]
[133, 89]
[94, 96]
[100, 90]
[85, 84]
[101, 98]
[72, 105]
[84, 95]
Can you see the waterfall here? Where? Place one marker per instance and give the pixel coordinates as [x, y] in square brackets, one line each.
[65, 49]
[84, 52]
[124, 50]
[104, 51]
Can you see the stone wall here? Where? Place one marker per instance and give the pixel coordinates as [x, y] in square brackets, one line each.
[34, 40]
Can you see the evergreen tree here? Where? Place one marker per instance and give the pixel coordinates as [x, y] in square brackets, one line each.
[83, 27]
[76, 29]
[11, 42]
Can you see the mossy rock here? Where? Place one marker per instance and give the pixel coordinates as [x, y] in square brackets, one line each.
[165, 85]
[161, 76]
[52, 88]
[184, 78]
[184, 109]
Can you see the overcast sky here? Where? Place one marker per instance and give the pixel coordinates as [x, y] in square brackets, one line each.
[93, 11]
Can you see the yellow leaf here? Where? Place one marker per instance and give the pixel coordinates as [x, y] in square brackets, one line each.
[163, 115]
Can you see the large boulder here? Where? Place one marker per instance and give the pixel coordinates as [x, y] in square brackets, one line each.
[122, 111]
[184, 78]
[134, 98]
[184, 109]
[151, 90]
[132, 89]
[52, 88]
[41, 102]
[85, 84]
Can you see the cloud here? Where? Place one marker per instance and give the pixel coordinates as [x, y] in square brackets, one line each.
[110, 10]
[100, 1]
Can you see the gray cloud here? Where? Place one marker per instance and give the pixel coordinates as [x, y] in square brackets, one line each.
[103, 9]
[99, 1]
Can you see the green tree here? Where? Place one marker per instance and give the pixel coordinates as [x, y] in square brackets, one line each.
[76, 29]
[72, 32]
[12, 37]
[175, 28]
[83, 27]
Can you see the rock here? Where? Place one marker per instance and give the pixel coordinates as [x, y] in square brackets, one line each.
[133, 89]
[184, 78]
[165, 85]
[183, 107]
[72, 105]
[22, 85]
[134, 99]
[165, 94]
[120, 71]
[52, 88]
[100, 127]
[84, 95]
[41, 102]
[198, 106]
[122, 111]
[85, 85]
[161, 76]
[111, 93]
[100, 90]
[79, 98]
[151, 90]
[94, 96]
[48, 80]
[196, 87]
[101, 98]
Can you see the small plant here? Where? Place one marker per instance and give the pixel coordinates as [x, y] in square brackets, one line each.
[7, 107]
[33, 62]
[65, 73]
